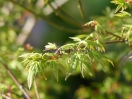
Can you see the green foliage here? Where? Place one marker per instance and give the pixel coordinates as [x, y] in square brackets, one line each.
[82, 53]
[122, 4]
[108, 72]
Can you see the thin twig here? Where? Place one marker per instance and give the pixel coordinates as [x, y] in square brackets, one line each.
[15, 80]
[81, 10]
[113, 34]
[111, 42]
[56, 25]
[5, 96]
[49, 21]
[36, 89]
[68, 14]
[65, 18]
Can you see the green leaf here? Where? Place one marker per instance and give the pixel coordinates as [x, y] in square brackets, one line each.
[73, 65]
[87, 68]
[75, 39]
[99, 29]
[50, 46]
[123, 14]
[42, 68]
[62, 68]
[68, 46]
[87, 61]
[25, 55]
[54, 67]
[31, 74]
[127, 26]
[96, 45]
[110, 61]
[98, 59]
[81, 43]
[82, 36]
[3, 88]
[84, 66]
[81, 68]
[117, 1]
[119, 7]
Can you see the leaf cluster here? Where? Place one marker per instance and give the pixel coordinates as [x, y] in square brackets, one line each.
[84, 53]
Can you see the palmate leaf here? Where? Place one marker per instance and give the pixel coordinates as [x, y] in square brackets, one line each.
[38, 62]
[32, 62]
[55, 66]
[34, 68]
[85, 66]
[83, 62]
[73, 63]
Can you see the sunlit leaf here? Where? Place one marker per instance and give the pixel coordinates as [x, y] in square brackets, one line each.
[119, 7]
[76, 39]
[68, 46]
[72, 66]
[95, 44]
[88, 67]
[82, 36]
[25, 55]
[50, 46]
[81, 68]
[31, 74]
[123, 14]
[99, 29]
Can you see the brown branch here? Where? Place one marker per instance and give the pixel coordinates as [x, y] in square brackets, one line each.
[65, 18]
[49, 21]
[113, 34]
[68, 14]
[15, 80]
[111, 42]
[5, 96]
[36, 89]
[81, 10]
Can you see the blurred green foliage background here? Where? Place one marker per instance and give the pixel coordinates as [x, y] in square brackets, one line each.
[114, 83]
